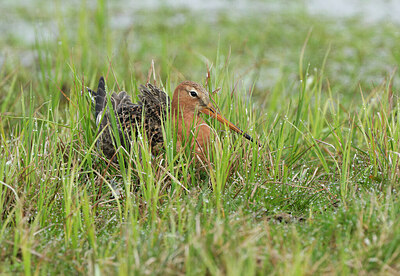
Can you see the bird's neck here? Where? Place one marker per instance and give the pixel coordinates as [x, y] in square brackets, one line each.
[185, 119]
[190, 124]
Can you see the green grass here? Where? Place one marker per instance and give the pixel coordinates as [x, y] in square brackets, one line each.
[320, 196]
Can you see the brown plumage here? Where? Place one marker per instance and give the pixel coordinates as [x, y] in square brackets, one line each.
[189, 99]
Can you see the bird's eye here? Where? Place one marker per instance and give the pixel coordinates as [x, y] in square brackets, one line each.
[193, 93]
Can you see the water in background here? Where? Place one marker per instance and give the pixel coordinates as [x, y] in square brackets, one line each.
[22, 25]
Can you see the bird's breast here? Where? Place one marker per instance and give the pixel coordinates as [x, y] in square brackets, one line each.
[193, 130]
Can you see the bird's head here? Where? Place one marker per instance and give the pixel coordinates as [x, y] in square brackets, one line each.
[191, 97]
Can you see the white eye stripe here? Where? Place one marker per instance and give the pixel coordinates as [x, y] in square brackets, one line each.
[193, 93]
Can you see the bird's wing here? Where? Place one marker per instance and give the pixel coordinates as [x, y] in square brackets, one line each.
[120, 103]
[154, 100]
[100, 97]
[155, 103]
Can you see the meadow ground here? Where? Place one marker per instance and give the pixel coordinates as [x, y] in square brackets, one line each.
[320, 93]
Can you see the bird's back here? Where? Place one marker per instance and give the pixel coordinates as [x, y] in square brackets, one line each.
[129, 116]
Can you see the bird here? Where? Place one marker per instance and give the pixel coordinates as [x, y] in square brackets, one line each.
[189, 100]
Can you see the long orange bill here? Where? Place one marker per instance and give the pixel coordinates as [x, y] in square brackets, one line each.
[210, 110]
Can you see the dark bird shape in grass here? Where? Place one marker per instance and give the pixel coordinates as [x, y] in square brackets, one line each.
[189, 99]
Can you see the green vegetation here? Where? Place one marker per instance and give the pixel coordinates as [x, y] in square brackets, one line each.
[320, 196]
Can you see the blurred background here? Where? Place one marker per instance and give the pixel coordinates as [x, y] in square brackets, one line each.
[48, 44]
